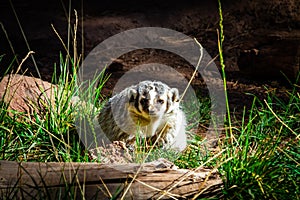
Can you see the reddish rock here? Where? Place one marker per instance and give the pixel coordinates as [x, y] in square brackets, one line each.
[24, 93]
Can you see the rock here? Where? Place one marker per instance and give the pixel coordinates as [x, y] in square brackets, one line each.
[25, 94]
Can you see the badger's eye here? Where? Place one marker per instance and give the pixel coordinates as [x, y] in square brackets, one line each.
[143, 101]
[160, 101]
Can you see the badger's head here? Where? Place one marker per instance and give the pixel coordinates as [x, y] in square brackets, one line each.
[152, 99]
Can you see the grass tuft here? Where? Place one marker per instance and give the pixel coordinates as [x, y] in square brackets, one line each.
[261, 157]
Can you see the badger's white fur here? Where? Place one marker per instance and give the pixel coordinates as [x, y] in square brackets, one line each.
[150, 108]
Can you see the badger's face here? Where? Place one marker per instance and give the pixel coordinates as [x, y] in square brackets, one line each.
[153, 99]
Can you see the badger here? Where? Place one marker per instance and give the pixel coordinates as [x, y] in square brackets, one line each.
[149, 109]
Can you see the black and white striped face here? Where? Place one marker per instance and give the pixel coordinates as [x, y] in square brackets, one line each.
[153, 98]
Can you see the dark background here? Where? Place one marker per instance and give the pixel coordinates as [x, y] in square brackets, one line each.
[268, 27]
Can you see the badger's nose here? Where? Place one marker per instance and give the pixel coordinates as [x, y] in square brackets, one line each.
[151, 110]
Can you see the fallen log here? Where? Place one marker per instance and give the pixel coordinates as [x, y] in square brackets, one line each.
[154, 180]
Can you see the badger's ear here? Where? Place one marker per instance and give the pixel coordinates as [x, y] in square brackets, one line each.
[174, 95]
[132, 93]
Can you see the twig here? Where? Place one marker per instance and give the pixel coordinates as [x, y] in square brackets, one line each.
[25, 39]
[23, 60]
[139, 169]
[9, 42]
[190, 173]
[156, 189]
[278, 118]
[62, 42]
[195, 71]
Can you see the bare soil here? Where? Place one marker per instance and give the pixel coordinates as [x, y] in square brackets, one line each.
[249, 26]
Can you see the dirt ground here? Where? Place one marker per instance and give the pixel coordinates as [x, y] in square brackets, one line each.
[270, 28]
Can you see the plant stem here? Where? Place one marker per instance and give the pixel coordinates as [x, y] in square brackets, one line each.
[220, 46]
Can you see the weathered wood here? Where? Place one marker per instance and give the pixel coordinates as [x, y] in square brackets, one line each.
[30, 180]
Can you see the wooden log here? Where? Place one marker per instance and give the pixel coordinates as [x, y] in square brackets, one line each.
[158, 179]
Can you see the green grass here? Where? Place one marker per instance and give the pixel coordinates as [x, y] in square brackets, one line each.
[262, 152]
[48, 136]
[261, 160]
[263, 157]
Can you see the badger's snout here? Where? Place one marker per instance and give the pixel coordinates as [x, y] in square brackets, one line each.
[151, 110]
